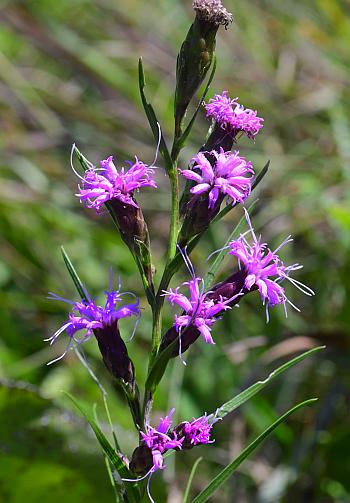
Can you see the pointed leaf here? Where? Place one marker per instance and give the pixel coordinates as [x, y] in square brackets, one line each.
[73, 274]
[84, 162]
[261, 175]
[226, 473]
[190, 480]
[187, 131]
[238, 400]
[153, 122]
[114, 458]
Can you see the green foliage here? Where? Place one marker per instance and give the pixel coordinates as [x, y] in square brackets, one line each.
[68, 73]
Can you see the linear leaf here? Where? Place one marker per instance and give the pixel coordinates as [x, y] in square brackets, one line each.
[117, 462]
[187, 131]
[84, 162]
[153, 122]
[190, 480]
[238, 400]
[73, 274]
[226, 473]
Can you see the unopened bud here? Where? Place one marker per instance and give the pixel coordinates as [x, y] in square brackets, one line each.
[142, 460]
[115, 354]
[196, 53]
[197, 217]
[134, 232]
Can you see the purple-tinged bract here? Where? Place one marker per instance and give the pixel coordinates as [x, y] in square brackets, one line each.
[264, 268]
[99, 185]
[232, 116]
[231, 175]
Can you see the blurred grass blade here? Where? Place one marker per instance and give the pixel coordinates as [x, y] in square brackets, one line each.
[224, 475]
[117, 462]
[238, 400]
[190, 480]
[210, 276]
[73, 274]
[153, 122]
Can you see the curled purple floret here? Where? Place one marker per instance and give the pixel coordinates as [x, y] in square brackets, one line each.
[99, 185]
[199, 310]
[232, 116]
[87, 316]
[230, 175]
[195, 432]
[264, 268]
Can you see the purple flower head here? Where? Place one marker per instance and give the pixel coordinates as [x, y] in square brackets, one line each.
[232, 116]
[160, 440]
[199, 310]
[231, 176]
[264, 268]
[100, 185]
[86, 316]
[195, 432]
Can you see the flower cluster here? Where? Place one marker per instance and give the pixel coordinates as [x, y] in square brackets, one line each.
[195, 432]
[198, 310]
[163, 438]
[232, 116]
[99, 185]
[89, 317]
[264, 269]
[230, 175]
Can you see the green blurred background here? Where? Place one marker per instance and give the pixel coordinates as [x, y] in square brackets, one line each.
[68, 72]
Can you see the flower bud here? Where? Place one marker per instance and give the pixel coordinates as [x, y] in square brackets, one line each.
[134, 232]
[198, 217]
[115, 354]
[142, 460]
[196, 53]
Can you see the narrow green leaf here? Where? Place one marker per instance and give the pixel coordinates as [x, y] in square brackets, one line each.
[238, 400]
[84, 162]
[226, 473]
[209, 278]
[154, 123]
[116, 461]
[73, 274]
[187, 131]
[159, 366]
[190, 480]
[261, 175]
